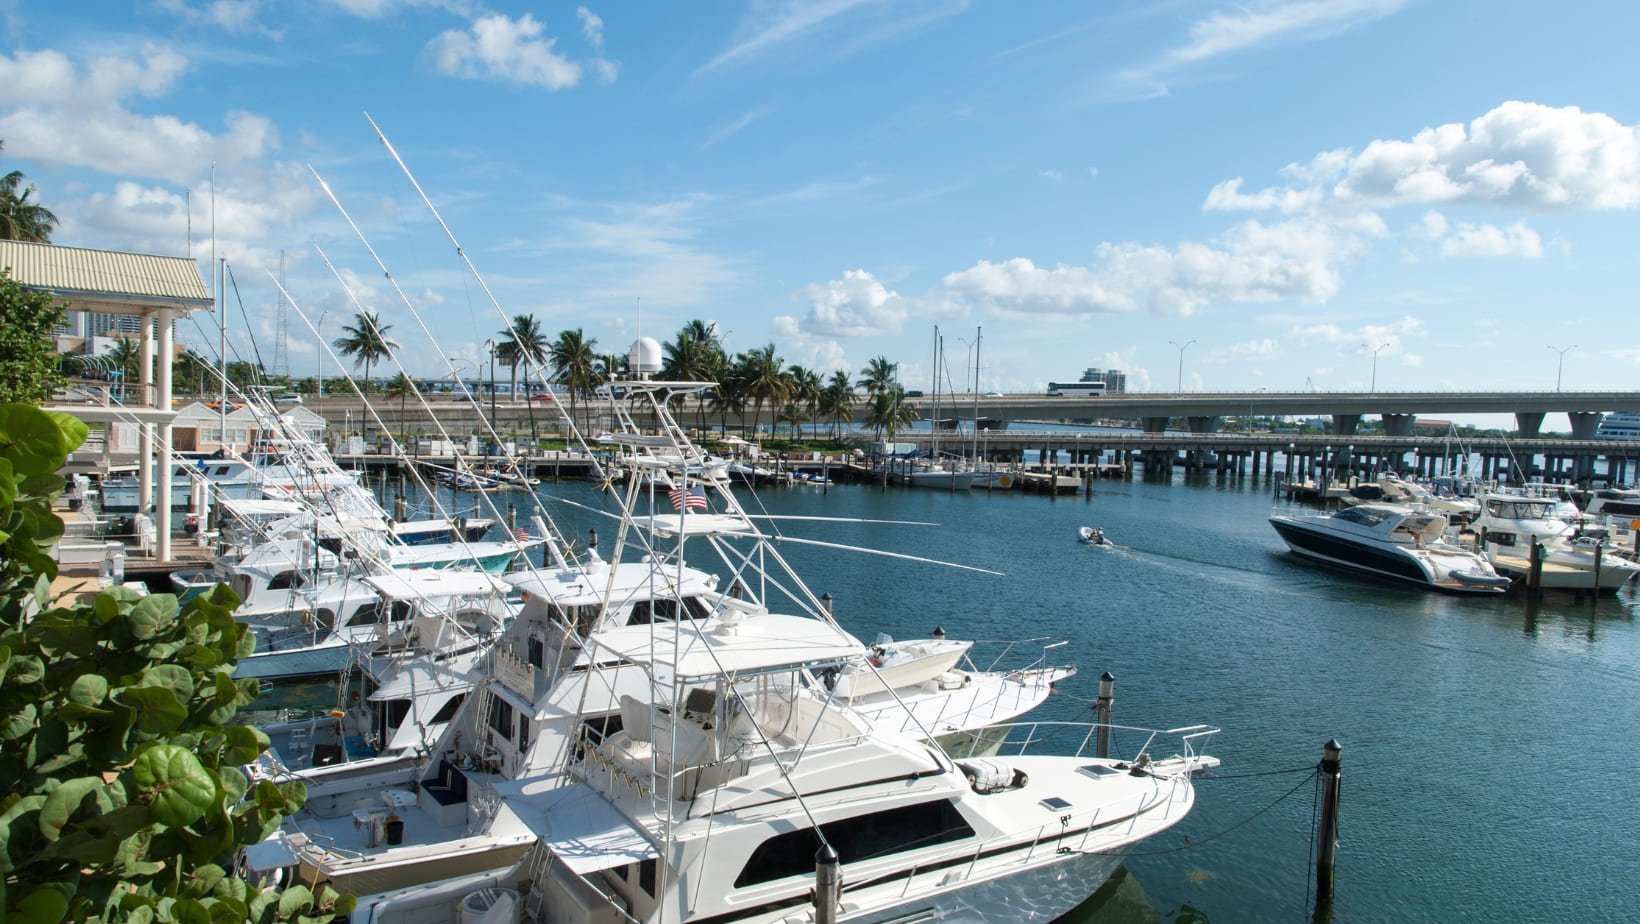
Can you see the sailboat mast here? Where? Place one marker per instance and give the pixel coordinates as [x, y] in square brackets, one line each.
[977, 337]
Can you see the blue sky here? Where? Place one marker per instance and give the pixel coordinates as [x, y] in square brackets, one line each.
[1280, 187]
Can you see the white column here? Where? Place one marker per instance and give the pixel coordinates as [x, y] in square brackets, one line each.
[163, 402]
[145, 431]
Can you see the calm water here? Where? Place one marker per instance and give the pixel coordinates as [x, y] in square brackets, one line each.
[1486, 744]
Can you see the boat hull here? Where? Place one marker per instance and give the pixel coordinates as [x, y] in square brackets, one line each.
[1370, 559]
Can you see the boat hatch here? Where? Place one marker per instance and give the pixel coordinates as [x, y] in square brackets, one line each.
[1099, 770]
[1055, 803]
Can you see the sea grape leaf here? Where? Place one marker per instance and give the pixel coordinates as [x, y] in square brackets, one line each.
[180, 788]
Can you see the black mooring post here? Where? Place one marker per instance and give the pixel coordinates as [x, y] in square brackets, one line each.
[1332, 772]
[1107, 699]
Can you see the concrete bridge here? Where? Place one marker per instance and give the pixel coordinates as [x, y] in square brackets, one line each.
[1202, 411]
[1199, 412]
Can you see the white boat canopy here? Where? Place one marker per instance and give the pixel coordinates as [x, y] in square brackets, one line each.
[428, 583]
[749, 643]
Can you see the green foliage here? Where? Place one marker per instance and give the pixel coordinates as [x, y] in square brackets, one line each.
[29, 370]
[125, 800]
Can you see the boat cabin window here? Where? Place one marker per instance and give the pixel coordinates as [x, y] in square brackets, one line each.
[285, 580]
[366, 615]
[501, 717]
[646, 875]
[1362, 515]
[448, 710]
[396, 711]
[535, 650]
[645, 612]
[862, 837]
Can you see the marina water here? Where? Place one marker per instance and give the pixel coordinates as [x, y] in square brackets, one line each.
[1487, 741]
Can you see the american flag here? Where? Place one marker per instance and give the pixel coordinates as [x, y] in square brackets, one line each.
[520, 533]
[693, 499]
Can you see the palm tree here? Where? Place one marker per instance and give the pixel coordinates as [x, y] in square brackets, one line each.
[20, 219]
[837, 401]
[574, 364]
[522, 344]
[401, 387]
[126, 359]
[878, 376]
[762, 380]
[890, 413]
[805, 391]
[192, 369]
[695, 356]
[366, 341]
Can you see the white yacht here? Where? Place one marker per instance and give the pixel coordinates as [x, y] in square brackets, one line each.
[1390, 541]
[658, 721]
[1511, 525]
[1623, 425]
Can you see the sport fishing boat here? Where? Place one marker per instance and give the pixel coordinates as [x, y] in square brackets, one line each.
[1389, 541]
[703, 722]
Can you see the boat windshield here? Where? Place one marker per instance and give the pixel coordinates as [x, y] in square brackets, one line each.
[1366, 516]
[1523, 509]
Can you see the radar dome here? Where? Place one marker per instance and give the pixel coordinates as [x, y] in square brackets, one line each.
[645, 356]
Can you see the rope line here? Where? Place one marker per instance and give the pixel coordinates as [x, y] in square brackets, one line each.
[1206, 777]
[1192, 844]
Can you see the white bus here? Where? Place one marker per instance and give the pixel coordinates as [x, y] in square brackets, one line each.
[1076, 389]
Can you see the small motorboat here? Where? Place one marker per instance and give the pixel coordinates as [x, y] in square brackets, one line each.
[1092, 535]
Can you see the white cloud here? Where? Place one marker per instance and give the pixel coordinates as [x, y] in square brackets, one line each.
[855, 305]
[724, 132]
[1388, 339]
[1251, 262]
[592, 26]
[1093, 172]
[55, 111]
[508, 50]
[787, 22]
[1247, 350]
[799, 347]
[1471, 240]
[1252, 27]
[1054, 175]
[1521, 154]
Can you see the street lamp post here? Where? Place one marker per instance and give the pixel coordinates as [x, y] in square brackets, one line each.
[1560, 362]
[1375, 351]
[1178, 387]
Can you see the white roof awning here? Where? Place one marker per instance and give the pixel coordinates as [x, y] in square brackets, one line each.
[431, 583]
[582, 828]
[760, 643]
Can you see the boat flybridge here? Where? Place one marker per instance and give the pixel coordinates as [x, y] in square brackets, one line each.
[635, 719]
[1390, 541]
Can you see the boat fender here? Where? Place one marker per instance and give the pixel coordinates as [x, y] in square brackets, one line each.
[952, 680]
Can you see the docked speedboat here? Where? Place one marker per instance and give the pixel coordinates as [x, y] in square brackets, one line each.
[1390, 541]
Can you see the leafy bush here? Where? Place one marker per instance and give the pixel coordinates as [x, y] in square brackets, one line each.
[123, 795]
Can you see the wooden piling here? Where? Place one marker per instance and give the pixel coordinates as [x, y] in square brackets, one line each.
[1534, 571]
[1598, 546]
[1332, 774]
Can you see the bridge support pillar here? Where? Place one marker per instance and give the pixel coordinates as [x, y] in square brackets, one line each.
[1528, 423]
[1584, 424]
[1203, 424]
[1346, 424]
[1399, 424]
[1154, 424]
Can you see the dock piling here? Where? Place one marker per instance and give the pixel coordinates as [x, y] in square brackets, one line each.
[1103, 706]
[1332, 773]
